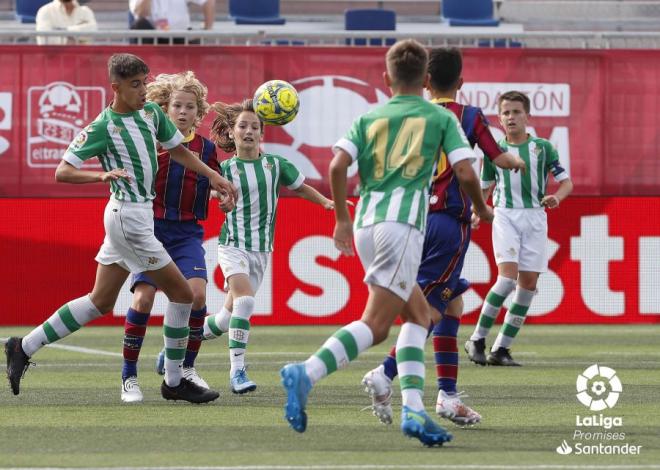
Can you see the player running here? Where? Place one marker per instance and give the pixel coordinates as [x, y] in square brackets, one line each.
[396, 146]
[124, 137]
[445, 244]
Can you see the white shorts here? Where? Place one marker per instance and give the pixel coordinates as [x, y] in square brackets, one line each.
[238, 261]
[521, 236]
[129, 238]
[390, 253]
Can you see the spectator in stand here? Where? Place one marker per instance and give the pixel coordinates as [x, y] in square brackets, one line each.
[64, 15]
[168, 15]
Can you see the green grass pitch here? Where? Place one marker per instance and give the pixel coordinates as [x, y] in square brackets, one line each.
[69, 412]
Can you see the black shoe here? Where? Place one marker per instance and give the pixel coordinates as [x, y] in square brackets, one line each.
[476, 351]
[501, 357]
[188, 391]
[17, 363]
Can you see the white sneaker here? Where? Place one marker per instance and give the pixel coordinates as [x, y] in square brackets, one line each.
[130, 390]
[453, 408]
[191, 374]
[379, 388]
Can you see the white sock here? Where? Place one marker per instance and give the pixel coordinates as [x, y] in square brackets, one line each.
[239, 332]
[175, 334]
[217, 324]
[491, 307]
[66, 320]
[410, 362]
[338, 350]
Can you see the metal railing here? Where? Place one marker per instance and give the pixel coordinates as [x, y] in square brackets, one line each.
[554, 39]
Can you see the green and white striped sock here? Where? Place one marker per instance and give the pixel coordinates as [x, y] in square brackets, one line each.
[66, 320]
[410, 363]
[239, 331]
[338, 350]
[514, 318]
[175, 334]
[491, 307]
[217, 324]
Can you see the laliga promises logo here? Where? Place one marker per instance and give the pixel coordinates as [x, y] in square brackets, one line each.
[598, 387]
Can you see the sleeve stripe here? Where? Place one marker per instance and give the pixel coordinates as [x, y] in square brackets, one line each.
[297, 183]
[71, 158]
[173, 142]
[347, 146]
[461, 153]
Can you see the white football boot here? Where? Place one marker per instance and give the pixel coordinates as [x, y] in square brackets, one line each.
[130, 390]
[379, 388]
[453, 408]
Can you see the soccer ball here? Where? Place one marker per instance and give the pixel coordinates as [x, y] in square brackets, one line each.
[276, 102]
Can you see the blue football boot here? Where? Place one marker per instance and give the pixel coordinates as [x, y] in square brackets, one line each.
[297, 386]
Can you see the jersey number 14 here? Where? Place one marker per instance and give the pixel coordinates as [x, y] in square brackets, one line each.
[406, 151]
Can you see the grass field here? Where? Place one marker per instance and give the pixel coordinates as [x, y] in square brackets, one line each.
[69, 413]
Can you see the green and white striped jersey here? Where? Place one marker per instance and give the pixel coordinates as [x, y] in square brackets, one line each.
[515, 190]
[251, 225]
[396, 147]
[126, 141]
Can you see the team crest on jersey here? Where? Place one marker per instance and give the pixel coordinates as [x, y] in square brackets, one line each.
[268, 166]
[446, 293]
[538, 150]
[149, 114]
[117, 130]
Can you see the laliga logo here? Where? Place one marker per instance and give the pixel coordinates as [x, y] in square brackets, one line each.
[598, 387]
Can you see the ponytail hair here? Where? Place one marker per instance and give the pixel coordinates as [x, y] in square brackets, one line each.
[225, 120]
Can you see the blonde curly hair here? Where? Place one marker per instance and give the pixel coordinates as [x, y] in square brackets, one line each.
[225, 120]
[160, 91]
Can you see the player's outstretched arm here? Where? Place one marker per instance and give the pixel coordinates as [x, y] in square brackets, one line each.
[182, 155]
[343, 233]
[552, 201]
[305, 191]
[509, 161]
[67, 173]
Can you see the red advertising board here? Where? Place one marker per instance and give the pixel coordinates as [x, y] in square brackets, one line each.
[604, 265]
[598, 107]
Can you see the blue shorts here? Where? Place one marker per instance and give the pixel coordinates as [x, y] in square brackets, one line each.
[183, 242]
[445, 243]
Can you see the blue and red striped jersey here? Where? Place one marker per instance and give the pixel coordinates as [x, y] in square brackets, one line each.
[446, 194]
[182, 194]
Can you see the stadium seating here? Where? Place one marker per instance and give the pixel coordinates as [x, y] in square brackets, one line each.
[376, 19]
[469, 12]
[256, 12]
[26, 10]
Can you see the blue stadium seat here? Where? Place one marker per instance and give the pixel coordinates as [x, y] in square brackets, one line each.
[255, 11]
[368, 19]
[469, 12]
[26, 10]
